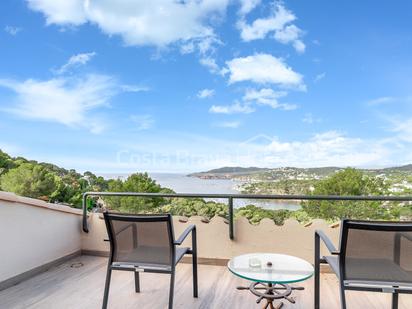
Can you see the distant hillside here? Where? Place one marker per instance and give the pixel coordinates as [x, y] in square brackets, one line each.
[229, 172]
[282, 173]
[235, 169]
[404, 168]
[288, 173]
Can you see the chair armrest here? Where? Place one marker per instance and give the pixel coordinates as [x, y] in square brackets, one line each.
[328, 243]
[186, 232]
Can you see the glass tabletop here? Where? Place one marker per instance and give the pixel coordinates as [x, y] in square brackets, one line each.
[270, 268]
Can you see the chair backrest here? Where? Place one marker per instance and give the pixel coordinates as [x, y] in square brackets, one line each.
[141, 239]
[376, 251]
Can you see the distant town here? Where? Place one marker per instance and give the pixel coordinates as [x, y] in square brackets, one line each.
[292, 180]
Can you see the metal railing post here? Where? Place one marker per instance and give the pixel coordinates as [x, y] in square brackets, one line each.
[84, 205]
[231, 229]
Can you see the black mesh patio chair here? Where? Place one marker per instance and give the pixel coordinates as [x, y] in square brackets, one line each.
[146, 243]
[373, 256]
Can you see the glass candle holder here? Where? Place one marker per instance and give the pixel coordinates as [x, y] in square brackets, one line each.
[255, 263]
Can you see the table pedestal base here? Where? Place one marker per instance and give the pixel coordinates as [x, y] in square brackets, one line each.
[271, 292]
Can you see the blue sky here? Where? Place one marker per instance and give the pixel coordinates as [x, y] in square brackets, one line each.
[192, 85]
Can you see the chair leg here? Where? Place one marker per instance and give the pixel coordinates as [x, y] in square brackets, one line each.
[194, 264]
[317, 271]
[195, 287]
[317, 286]
[171, 291]
[136, 282]
[106, 287]
[395, 300]
[342, 297]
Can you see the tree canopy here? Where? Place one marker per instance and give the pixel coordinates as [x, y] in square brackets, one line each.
[348, 182]
[30, 180]
[47, 181]
[138, 182]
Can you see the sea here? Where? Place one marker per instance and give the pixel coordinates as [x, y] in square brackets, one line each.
[181, 183]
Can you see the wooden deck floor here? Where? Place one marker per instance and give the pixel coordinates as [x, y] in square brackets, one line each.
[66, 287]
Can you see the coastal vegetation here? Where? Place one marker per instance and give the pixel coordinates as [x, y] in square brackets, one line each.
[195, 207]
[284, 186]
[46, 181]
[57, 185]
[350, 182]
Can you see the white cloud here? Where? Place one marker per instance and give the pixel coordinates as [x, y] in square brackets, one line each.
[134, 88]
[206, 93]
[247, 6]
[262, 26]
[299, 46]
[187, 48]
[269, 97]
[208, 44]
[381, 100]
[191, 152]
[143, 122]
[12, 30]
[76, 60]
[263, 69]
[228, 124]
[156, 22]
[278, 23]
[67, 99]
[319, 77]
[210, 64]
[60, 12]
[403, 128]
[326, 149]
[310, 119]
[288, 34]
[64, 100]
[291, 34]
[253, 97]
[232, 109]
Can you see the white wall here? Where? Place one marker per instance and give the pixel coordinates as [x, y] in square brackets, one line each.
[35, 233]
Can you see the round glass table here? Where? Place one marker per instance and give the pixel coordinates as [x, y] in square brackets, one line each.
[271, 275]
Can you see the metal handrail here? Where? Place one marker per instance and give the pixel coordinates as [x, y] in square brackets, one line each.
[231, 197]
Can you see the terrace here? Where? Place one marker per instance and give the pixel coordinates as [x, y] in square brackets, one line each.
[48, 261]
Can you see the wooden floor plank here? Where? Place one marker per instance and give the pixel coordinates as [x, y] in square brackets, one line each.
[78, 288]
